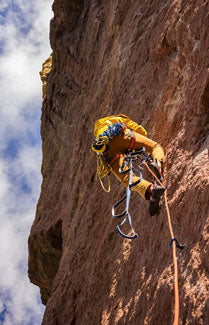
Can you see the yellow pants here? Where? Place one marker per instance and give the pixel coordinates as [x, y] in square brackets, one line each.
[120, 144]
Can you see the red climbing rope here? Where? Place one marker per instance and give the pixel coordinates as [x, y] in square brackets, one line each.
[176, 310]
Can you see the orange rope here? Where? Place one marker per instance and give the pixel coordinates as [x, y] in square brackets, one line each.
[176, 311]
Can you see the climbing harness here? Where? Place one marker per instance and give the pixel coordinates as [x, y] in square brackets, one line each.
[128, 160]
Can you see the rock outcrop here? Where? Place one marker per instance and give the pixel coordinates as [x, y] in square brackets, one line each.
[47, 66]
[148, 60]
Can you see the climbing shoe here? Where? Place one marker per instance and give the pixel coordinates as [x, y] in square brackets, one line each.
[154, 206]
[156, 169]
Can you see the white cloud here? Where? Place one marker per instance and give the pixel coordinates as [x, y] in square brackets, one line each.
[4, 185]
[17, 214]
[24, 41]
[22, 56]
[3, 5]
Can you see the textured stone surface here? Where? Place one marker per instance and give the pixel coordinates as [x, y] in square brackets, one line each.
[148, 60]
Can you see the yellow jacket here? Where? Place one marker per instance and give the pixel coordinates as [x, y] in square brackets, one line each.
[102, 124]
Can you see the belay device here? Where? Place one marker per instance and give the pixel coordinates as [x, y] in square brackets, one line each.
[128, 160]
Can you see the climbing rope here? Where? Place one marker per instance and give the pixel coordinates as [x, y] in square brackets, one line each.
[102, 184]
[173, 243]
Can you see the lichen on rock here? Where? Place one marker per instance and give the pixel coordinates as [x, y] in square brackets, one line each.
[47, 66]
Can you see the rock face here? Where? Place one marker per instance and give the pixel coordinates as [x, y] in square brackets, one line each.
[148, 60]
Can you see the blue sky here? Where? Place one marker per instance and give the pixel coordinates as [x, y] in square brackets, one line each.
[24, 46]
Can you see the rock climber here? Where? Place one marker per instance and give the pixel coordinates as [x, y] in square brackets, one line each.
[117, 135]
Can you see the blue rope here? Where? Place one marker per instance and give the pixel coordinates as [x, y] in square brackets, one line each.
[113, 130]
[171, 242]
[181, 246]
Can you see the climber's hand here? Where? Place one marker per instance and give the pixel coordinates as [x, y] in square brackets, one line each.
[160, 166]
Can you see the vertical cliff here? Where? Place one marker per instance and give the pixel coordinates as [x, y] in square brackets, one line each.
[148, 60]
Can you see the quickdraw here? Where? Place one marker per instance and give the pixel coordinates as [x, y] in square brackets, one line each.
[128, 160]
[180, 246]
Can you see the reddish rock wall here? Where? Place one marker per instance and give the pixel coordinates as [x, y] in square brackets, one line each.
[148, 60]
